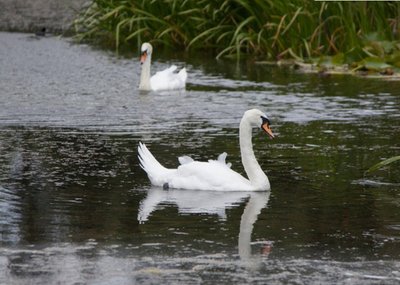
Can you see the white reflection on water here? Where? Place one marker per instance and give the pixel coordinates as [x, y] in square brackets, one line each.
[211, 203]
[257, 202]
[190, 202]
[9, 216]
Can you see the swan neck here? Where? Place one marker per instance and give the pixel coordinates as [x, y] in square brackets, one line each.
[256, 175]
[145, 75]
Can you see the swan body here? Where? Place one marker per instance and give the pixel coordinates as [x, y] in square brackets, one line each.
[167, 79]
[214, 174]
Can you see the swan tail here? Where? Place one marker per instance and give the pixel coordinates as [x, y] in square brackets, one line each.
[155, 171]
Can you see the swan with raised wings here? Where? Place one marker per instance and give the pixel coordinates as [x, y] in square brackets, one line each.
[167, 79]
[214, 174]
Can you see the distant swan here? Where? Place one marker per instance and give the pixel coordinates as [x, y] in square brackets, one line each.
[214, 174]
[162, 80]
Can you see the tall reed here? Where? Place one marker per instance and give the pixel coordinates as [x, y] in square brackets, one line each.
[266, 28]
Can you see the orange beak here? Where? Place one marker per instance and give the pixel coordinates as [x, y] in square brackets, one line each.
[268, 130]
[143, 57]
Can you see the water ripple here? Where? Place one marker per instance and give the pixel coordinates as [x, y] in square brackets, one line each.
[80, 88]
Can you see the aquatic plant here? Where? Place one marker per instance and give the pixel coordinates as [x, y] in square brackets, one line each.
[267, 29]
[383, 163]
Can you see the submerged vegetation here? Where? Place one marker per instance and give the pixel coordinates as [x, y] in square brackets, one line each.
[364, 34]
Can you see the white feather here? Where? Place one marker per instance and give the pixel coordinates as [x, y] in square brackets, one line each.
[168, 79]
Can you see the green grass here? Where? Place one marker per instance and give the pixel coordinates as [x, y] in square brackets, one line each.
[267, 29]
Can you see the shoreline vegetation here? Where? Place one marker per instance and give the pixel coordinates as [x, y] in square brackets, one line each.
[326, 37]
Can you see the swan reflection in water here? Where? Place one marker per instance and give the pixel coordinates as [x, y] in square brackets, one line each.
[212, 203]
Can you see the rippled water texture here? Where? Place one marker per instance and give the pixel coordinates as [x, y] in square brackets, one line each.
[76, 208]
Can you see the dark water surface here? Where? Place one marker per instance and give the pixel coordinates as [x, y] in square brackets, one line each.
[75, 208]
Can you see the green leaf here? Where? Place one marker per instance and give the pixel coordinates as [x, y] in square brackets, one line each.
[291, 21]
[374, 63]
[383, 163]
[239, 28]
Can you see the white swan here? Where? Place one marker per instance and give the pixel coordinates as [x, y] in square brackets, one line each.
[214, 174]
[162, 80]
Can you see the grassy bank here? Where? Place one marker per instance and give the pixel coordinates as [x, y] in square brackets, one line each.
[267, 30]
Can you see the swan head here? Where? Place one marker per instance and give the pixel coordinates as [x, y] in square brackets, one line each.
[257, 118]
[146, 51]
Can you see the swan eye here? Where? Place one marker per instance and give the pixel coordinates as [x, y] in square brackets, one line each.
[265, 121]
[265, 126]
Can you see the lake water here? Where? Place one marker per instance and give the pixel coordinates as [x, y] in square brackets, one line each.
[75, 207]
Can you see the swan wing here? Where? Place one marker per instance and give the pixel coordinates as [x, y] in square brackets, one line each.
[222, 159]
[168, 79]
[211, 175]
[185, 159]
[182, 74]
[166, 72]
[191, 174]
